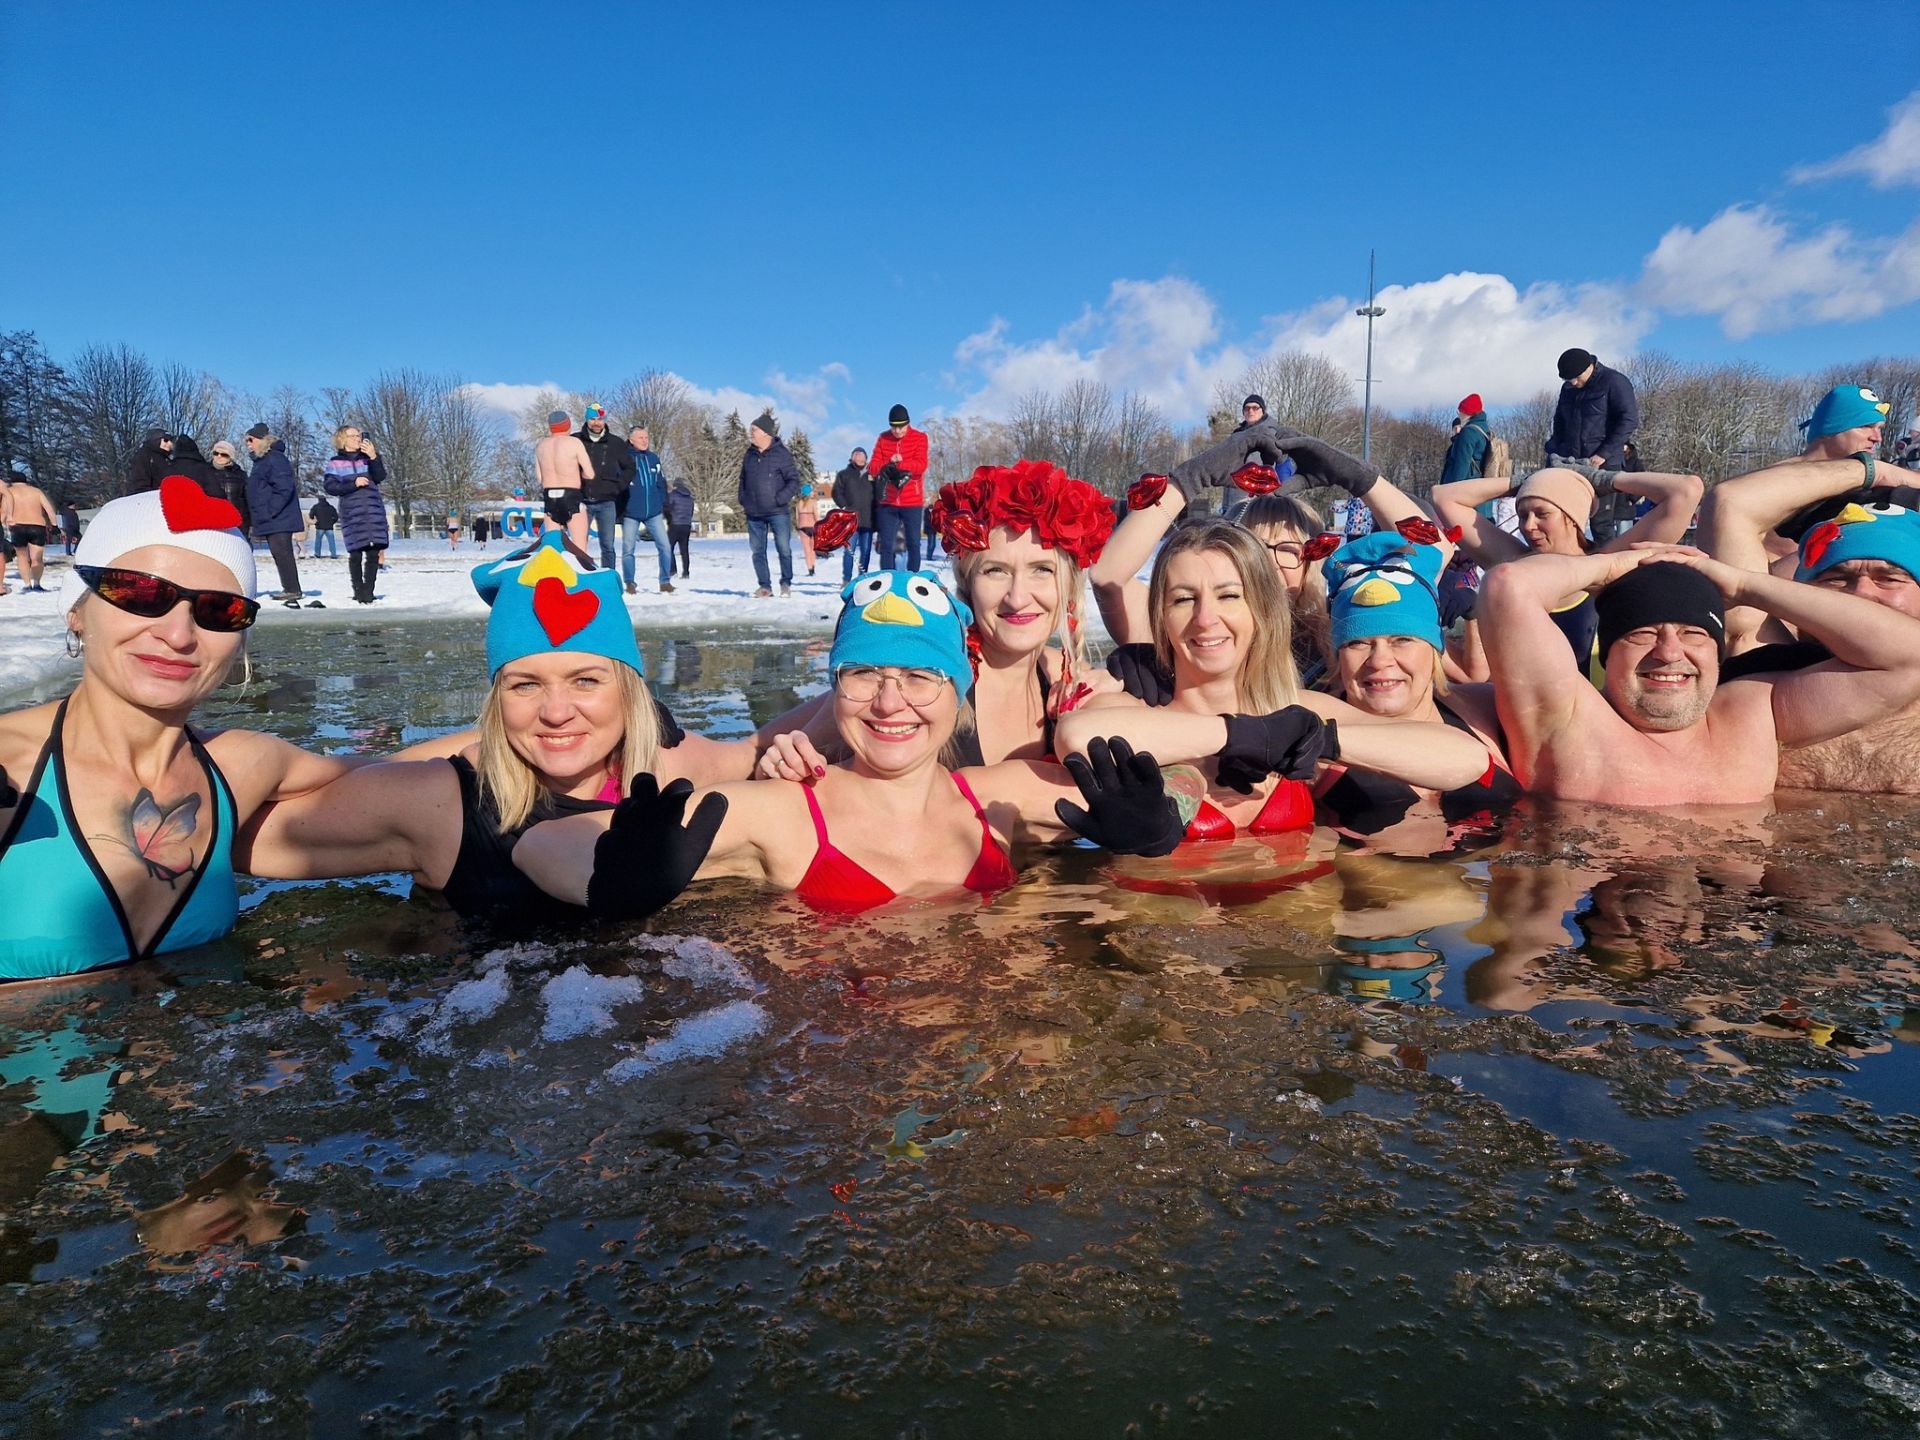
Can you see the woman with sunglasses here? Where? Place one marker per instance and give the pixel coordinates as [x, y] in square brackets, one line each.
[1258, 460]
[117, 820]
[890, 822]
[1389, 646]
[1221, 629]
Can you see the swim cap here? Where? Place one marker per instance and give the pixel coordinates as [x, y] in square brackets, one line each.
[1845, 407]
[546, 600]
[1384, 584]
[1662, 593]
[1571, 491]
[905, 618]
[179, 514]
[1862, 533]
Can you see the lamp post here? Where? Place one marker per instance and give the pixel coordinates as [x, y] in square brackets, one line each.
[1371, 312]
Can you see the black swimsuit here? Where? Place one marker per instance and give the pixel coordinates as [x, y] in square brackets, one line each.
[966, 743]
[1367, 803]
[485, 883]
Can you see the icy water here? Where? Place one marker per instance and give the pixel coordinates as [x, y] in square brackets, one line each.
[1598, 1131]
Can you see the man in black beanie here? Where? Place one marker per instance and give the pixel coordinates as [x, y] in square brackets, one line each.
[1663, 730]
[899, 470]
[1594, 418]
[1253, 410]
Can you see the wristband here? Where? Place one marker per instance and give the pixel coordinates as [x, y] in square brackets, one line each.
[1865, 457]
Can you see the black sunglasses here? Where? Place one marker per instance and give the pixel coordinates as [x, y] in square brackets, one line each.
[150, 597]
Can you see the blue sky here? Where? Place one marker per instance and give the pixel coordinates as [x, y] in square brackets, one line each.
[947, 204]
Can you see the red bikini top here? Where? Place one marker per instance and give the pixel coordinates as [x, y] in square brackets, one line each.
[1289, 807]
[835, 883]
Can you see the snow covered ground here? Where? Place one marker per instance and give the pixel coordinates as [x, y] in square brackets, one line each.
[424, 578]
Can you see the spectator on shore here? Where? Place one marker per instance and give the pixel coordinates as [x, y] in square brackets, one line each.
[806, 514]
[70, 525]
[899, 471]
[482, 529]
[30, 519]
[1472, 442]
[1594, 418]
[646, 509]
[562, 465]
[453, 529]
[231, 476]
[150, 462]
[680, 523]
[185, 459]
[605, 489]
[273, 498]
[353, 477]
[324, 518]
[768, 483]
[853, 490]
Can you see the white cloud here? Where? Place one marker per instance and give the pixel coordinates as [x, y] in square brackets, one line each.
[1890, 158]
[1465, 332]
[1748, 267]
[1153, 337]
[510, 399]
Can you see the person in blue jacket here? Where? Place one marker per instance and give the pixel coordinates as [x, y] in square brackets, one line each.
[646, 509]
[1467, 451]
[273, 503]
[768, 484]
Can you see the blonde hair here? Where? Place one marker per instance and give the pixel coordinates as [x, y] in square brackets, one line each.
[1267, 680]
[1067, 626]
[1311, 616]
[509, 783]
[342, 430]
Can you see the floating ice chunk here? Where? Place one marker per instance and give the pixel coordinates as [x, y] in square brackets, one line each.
[710, 1033]
[701, 962]
[519, 957]
[468, 1002]
[579, 1002]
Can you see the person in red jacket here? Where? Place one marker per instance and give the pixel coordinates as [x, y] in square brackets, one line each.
[899, 471]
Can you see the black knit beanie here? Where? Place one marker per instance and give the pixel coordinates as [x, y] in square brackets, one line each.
[1662, 593]
[897, 415]
[766, 424]
[1572, 362]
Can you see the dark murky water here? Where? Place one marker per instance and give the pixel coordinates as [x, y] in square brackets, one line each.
[1604, 1131]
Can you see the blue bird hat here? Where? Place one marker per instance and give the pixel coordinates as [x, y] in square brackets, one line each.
[1883, 532]
[1845, 407]
[547, 599]
[906, 618]
[1384, 584]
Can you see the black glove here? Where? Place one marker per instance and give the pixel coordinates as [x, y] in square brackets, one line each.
[1288, 743]
[1138, 668]
[671, 733]
[647, 857]
[1322, 464]
[1457, 602]
[1128, 809]
[893, 474]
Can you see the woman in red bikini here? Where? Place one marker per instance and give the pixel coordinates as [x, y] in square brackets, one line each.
[891, 822]
[1221, 627]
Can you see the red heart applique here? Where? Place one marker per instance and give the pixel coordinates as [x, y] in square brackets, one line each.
[560, 614]
[1818, 539]
[185, 506]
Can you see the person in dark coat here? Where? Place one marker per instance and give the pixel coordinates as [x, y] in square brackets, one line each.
[325, 538]
[613, 472]
[853, 490]
[1595, 417]
[150, 463]
[231, 476]
[680, 523]
[70, 525]
[353, 477]
[185, 459]
[1472, 442]
[768, 484]
[273, 497]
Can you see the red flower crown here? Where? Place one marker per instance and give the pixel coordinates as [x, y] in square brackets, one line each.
[1068, 515]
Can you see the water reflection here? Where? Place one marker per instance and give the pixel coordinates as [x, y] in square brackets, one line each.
[231, 1204]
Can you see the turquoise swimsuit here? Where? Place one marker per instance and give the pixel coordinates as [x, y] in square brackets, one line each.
[61, 916]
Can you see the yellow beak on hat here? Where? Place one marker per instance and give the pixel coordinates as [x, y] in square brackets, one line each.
[1376, 592]
[891, 609]
[1853, 515]
[548, 562]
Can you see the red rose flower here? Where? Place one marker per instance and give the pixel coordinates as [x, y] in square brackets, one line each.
[1023, 493]
[1078, 521]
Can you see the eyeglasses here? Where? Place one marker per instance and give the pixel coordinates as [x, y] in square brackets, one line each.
[150, 597]
[861, 683]
[1288, 554]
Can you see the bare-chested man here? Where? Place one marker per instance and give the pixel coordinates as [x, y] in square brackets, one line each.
[1663, 730]
[1860, 549]
[564, 467]
[29, 517]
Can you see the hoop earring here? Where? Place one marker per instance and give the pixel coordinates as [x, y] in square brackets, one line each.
[76, 647]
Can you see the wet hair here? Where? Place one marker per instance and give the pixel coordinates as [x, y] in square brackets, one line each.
[1267, 680]
[1311, 617]
[509, 783]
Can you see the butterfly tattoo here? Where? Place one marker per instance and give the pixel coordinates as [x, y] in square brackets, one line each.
[162, 835]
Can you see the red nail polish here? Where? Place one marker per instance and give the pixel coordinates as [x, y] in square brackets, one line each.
[820, 770]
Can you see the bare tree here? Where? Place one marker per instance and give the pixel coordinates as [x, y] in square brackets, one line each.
[1084, 427]
[462, 439]
[115, 392]
[1142, 444]
[1525, 428]
[38, 417]
[661, 401]
[1306, 391]
[1034, 427]
[192, 402]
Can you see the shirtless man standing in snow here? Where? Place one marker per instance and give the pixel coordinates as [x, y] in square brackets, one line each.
[29, 517]
[1664, 731]
[563, 466]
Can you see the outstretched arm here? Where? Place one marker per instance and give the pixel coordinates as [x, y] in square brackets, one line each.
[1675, 498]
[374, 818]
[1485, 541]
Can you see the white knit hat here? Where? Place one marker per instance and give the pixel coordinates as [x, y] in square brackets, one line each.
[179, 514]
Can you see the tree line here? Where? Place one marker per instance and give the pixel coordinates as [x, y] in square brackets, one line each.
[75, 427]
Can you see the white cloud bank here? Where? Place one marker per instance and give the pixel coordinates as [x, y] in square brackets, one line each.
[1891, 158]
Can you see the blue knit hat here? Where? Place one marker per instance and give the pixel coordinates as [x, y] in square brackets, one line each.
[1886, 532]
[546, 600]
[1845, 407]
[1384, 584]
[906, 618]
